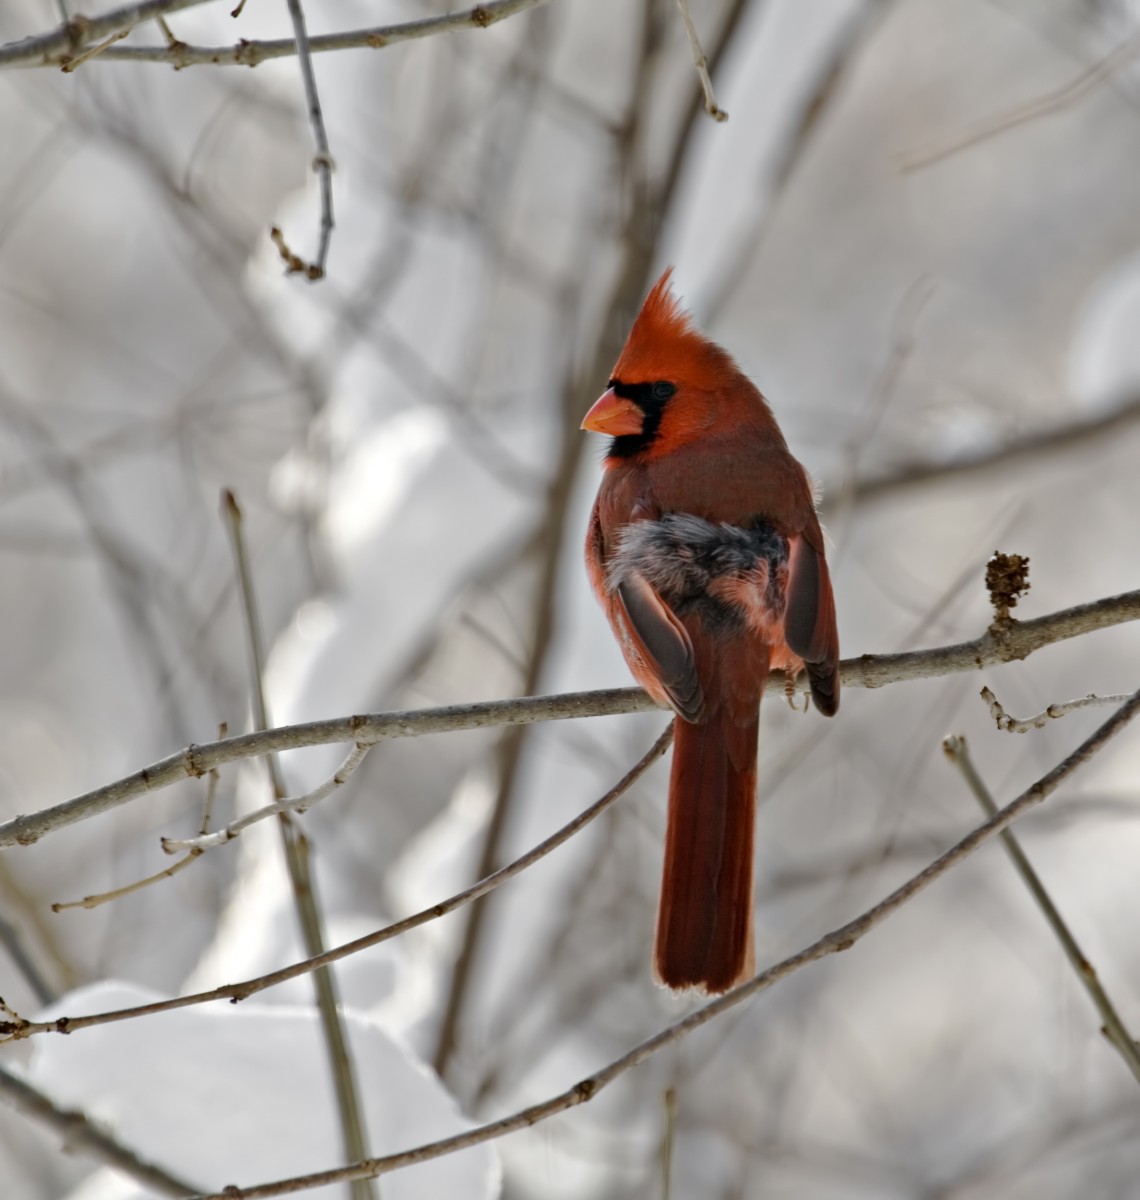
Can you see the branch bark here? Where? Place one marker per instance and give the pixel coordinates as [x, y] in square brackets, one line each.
[1017, 642]
[58, 48]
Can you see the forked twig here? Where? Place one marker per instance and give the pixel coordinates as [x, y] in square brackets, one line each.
[99, 898]
[291, 804]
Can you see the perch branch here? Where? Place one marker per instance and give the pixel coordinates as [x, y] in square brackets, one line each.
[867, 671]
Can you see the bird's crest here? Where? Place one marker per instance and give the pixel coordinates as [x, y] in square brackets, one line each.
[663, 344]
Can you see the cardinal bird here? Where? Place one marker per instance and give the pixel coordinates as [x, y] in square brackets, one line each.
[706, 553]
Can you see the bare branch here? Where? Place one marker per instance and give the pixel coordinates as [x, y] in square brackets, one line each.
[79, 1132]
[1063, 438]
[56, 48]
[59, 48]
[194, 852]
[958, 752]
[18, 1028]
[295, 848]
[291, 804]
[867, 671]
[701, 63]
[323, 162]
[839, 939]
[1073, 92]
[1008, 724]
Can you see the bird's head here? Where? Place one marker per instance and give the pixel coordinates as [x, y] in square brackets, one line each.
[670, 384]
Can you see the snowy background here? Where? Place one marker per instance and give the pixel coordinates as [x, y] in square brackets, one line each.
[402, 438]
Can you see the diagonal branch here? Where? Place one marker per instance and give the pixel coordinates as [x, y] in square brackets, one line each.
[81, 1133]
[1071, 93]
[1020, 640]
[839, 939]
[958, 752]
[1059, 439]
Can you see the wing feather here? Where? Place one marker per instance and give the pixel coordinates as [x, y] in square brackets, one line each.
[663, 643]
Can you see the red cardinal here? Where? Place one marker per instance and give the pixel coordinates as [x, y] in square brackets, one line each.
[707, 555]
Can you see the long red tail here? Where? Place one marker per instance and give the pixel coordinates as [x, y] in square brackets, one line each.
[704, 917]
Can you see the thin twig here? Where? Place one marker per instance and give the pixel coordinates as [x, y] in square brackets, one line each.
[291, 804]
[1008, 724]
[323, 162]
[18, 1028]
[194, 852]
[55, 48]
[1072, 92]
[78, 61]
[98, 898]
[701, 63]
[958, 752]
[296, 849]
[839, 939]
[867, 671]
[80, 1133]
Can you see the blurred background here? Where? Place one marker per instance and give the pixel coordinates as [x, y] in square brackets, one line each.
[918, 232]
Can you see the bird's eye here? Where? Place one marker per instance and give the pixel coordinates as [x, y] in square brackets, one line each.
[663, 390]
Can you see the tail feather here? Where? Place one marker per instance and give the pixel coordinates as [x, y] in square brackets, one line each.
[704, 918]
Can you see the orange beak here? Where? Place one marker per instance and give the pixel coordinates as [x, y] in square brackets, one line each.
[613, 415]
